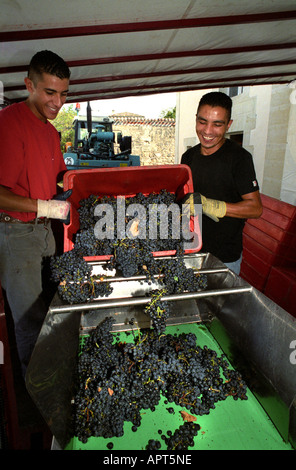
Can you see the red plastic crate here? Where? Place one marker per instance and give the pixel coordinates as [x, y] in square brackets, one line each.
[127, 181]
[269, 241]
[252, 276]
[281, 288]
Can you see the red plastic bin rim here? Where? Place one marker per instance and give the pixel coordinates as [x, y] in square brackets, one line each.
[129, 169]
[152, 175]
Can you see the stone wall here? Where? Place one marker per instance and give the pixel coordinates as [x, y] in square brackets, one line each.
[152, 139]
[276, 146]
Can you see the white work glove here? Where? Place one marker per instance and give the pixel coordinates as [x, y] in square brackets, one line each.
[53, 209]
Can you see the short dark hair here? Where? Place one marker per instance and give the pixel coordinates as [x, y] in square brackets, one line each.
[47, 62]
[217, 98]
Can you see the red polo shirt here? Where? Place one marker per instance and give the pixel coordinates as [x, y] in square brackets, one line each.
[30, 157]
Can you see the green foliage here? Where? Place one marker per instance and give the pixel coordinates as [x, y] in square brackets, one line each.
[168, 113]
[64, 124]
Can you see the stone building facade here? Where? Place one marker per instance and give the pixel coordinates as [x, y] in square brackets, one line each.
[152, 139]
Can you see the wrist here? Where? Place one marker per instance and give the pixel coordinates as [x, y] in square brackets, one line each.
[53, 209]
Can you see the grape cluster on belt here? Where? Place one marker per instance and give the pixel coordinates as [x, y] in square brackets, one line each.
[181, 439]
[116, 381]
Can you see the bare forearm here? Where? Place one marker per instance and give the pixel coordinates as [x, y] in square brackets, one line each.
[12, 202]
[249, 208]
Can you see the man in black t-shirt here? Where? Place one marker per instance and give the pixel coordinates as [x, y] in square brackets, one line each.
[224, 181]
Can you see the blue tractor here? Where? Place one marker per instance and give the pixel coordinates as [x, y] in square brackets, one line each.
[93, 147]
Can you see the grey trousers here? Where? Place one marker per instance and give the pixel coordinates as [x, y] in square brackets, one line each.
[23, 249]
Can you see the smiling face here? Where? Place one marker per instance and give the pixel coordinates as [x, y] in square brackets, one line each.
[211, 125]
[47, 95]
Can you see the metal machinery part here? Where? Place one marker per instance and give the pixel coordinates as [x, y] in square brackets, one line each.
[97, 150]
[252, 331]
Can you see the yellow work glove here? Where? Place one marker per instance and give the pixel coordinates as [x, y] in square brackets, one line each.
[188, 203]
[210, 207]
[213, 208]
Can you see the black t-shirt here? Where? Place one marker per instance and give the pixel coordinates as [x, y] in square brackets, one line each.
[225, 175]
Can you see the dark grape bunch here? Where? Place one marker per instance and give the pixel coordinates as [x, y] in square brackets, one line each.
[153, 444]
[183, 437]
[75, 281]
[116, 381]
[129, 256]
[177, 277]
[144, 242]
[158, 310]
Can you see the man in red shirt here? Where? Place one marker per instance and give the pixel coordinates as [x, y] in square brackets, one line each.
[31, 165]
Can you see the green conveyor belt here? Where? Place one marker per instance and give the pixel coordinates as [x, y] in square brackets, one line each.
[232, 425]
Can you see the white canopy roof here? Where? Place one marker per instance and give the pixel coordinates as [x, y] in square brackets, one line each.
[134, 47]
